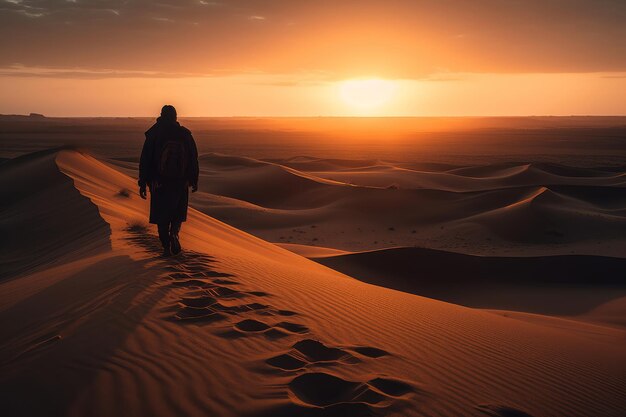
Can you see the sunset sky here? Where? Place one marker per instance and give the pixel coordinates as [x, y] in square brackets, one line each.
[313, 58]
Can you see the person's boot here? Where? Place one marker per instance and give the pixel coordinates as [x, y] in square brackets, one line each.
[164, 237]
[175, 244]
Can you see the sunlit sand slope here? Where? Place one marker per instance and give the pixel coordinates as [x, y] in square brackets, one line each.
[240, 327]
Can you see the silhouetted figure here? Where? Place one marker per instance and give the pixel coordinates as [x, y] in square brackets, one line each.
[168, 167]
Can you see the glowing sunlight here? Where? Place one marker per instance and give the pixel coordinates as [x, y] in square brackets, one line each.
[366, 95]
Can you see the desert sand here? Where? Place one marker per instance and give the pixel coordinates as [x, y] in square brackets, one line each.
[94, 323]
[415, 271]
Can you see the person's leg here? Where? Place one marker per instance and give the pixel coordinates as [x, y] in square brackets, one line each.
[174, 229]
[164, 236]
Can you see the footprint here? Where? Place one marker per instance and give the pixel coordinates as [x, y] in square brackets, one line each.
[250, 325]
[257, 306]
[232, 309]
[239, 308]
[321, 389]
[198, 302]
[224, 292]
[286, 362]
[370, 352]
[316, 351]
[277, 331]
[198, 314]
[501, 411]
[307, 352]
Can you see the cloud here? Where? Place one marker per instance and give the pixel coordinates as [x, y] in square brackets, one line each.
[90, 73]
[30, 14]
[405, 38]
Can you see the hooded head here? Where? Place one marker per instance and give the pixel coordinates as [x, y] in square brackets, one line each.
[168, 113]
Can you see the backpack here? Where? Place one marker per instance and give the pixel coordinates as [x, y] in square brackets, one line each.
[173, 160]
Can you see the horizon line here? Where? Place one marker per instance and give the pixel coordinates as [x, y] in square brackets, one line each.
[35, 115]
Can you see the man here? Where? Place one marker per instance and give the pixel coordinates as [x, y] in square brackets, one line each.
[168, 167]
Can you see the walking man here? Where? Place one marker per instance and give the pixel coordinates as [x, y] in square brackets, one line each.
[168, 167]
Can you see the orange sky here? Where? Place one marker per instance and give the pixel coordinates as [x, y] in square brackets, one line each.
[273, 58]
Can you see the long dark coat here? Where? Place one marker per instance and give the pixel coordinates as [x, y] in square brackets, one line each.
[168, 197]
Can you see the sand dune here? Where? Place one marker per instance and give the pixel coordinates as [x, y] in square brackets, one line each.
[563, 285]
[240, 327]
[267, 184]
[478, 178]
[501, 209]
[43, 215]
[559, 215]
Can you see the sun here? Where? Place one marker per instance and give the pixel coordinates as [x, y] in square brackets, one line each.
[366, 94]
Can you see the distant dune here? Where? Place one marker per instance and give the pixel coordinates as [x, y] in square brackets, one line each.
[514, 209]
[93, 323]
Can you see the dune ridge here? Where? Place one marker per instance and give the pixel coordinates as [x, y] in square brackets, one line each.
[121, 332]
